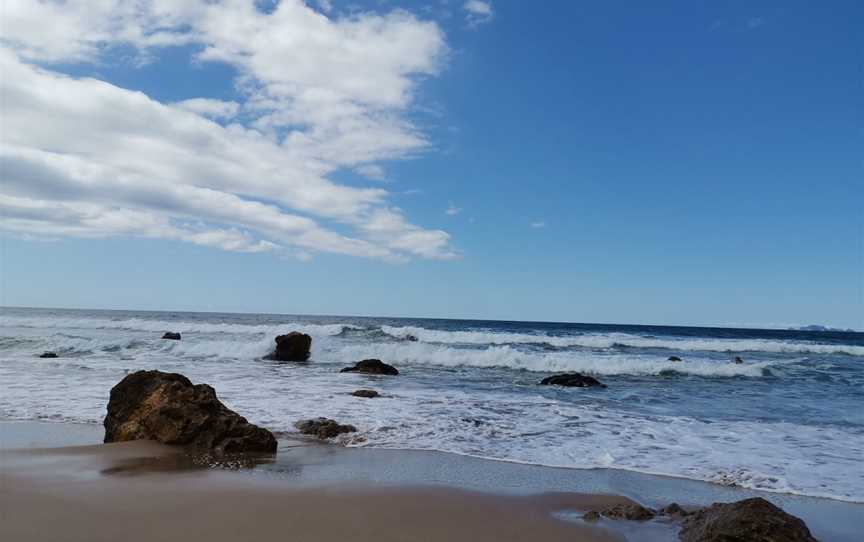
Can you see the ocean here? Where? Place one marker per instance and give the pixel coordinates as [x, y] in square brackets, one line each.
[787, 420]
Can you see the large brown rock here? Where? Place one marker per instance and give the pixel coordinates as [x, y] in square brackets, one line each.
[632, 512]
[371, 367]
[293, 346]
[167, 407]
[573, 380]
[750, 520]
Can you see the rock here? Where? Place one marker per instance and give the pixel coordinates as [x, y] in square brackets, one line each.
[738, 360]
[411, 338]
[673, 358]
[48, 355]
[172, 336]
[294, 346]
[674, 510]
[323, 428]
[591, 516]
[167, 407]
[366, 393]
[633, 512]
[372, 367]
[750, 520]
[576, 380]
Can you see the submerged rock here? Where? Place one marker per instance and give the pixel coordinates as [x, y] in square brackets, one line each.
[48, 355]
[673, 358]
[573, 380]
[167, 407]
[372, 367]
[632, 512]
[171, 335]
[674, 510]
[737, 360]
[366, 393]
[751, 520]
[411, 338]
[323, 428]
[293, 346]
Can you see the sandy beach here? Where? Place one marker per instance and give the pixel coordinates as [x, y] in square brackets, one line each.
[58, 483]
[146, 491]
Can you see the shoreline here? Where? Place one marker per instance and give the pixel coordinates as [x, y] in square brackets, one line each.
[311, 466]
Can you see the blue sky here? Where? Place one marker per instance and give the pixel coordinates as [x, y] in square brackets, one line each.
[629, 162]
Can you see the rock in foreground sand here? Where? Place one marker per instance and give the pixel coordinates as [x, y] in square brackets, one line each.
[751, 520]
[323, 428]
[167, 407]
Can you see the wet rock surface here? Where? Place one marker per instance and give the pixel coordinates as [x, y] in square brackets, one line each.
[323, 428]
[168, 408]
[572, 380]
[294, 346]
[369, 394]
[171, 336]
[750, 520]
[372, 367]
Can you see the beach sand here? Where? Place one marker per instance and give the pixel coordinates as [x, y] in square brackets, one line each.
[145, 491]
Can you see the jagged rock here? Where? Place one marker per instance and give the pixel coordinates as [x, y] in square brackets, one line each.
[591, 516]
[750, 520]
[577, 380]
[323, 428]
[633, 512]
[674, 510]
[167, 407]
[411, 338]
[365, 393]
[673, 358]
[293, 346]
[48, 355]
[172, 336]
[372, 367]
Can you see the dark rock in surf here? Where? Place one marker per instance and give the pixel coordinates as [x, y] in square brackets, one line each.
[369, 394]
[737, 360]
[591, 516]
[572, 380]
[294, 346]
[750, 520]
[172, 336]
[673, 358]
[632, 512]
[371, 367]
[323, 428]
[674, 511]
[48, 355]
[411, 338]
[167, 407]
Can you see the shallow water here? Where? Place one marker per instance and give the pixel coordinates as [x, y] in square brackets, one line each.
[788, 420]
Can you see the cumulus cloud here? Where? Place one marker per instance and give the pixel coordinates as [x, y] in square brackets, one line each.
[478, 12]
[82, 157]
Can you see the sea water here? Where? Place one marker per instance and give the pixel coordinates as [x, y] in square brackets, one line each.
[789, 419]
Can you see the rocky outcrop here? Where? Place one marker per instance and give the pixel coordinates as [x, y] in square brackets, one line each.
[673, 358]
[750, 520]
[573, 380]
[293, 346]
[167, 407]
[674, 511]
[323, 428]
[48, 355]
[632, 512]
[369, 394]
[371, 367]
[171, 335]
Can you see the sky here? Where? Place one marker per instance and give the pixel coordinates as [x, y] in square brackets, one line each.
[672, 162]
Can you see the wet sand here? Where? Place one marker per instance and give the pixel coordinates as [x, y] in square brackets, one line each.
[143, 491]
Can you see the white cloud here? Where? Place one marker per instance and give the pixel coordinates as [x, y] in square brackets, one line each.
[538, 224]
[82, 157]
[217, 109]
[372, 171]
[478, 12]
[452, 210]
